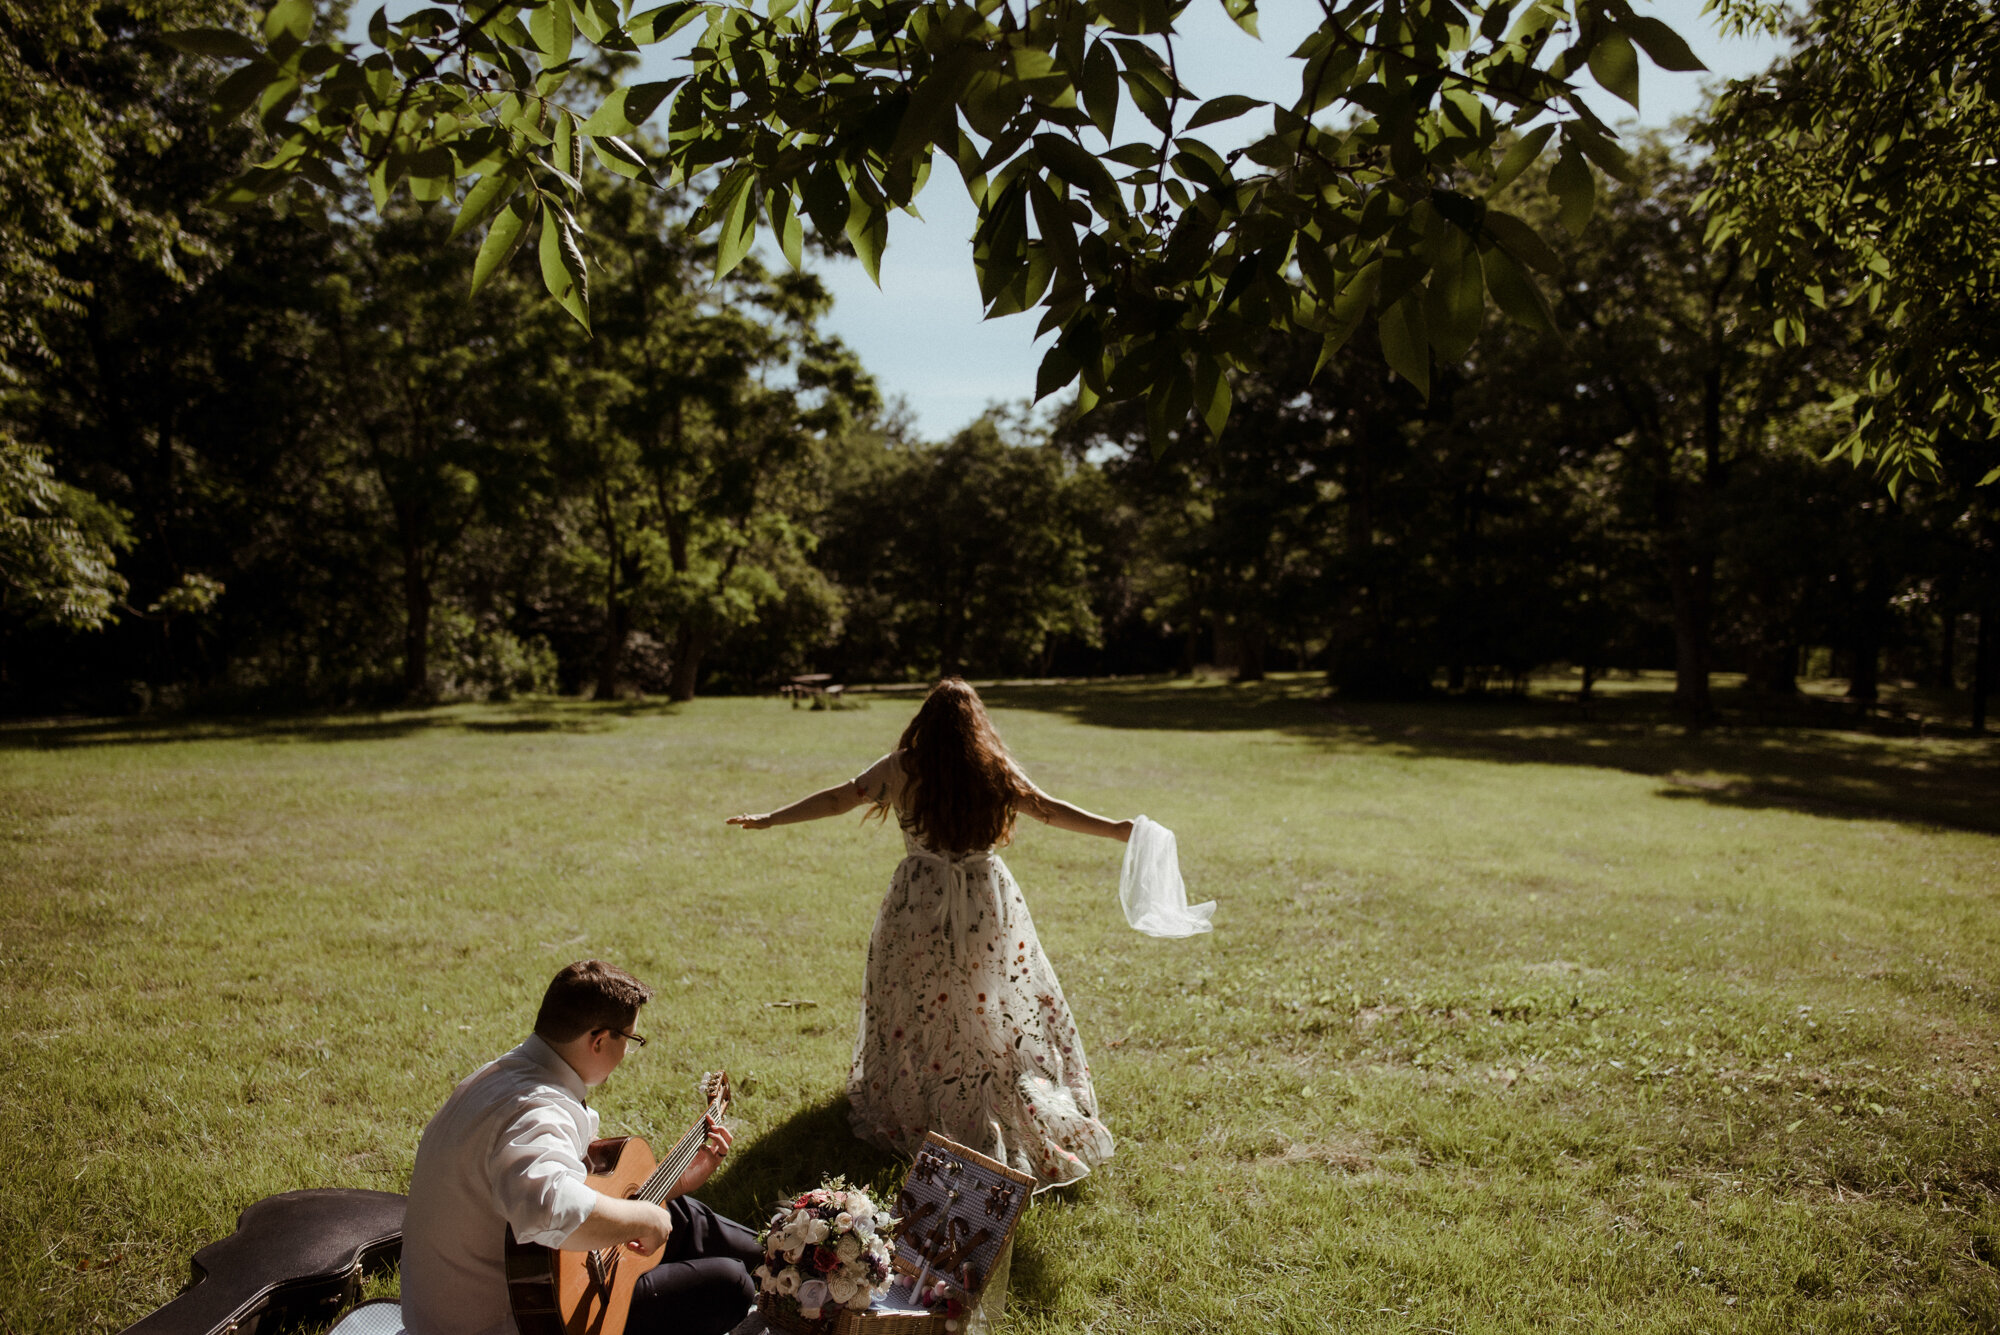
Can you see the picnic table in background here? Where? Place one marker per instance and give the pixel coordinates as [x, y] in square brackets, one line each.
[818, 686]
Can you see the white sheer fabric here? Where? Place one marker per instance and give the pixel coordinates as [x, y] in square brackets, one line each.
[964, 1029]
[1150, 889]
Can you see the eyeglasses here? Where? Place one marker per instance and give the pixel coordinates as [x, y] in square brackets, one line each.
[629, 1038]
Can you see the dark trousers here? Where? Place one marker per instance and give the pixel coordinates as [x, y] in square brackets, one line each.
[702, 1285]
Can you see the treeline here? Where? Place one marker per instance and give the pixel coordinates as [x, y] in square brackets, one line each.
[329, 474]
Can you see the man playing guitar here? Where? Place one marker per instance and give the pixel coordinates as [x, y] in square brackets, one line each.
[508, 1150]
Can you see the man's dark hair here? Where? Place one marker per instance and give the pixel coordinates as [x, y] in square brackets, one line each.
[587, 996]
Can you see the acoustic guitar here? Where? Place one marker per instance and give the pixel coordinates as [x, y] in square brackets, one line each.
[589, 1293]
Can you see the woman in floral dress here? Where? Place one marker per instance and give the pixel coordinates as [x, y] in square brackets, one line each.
[964, 1029]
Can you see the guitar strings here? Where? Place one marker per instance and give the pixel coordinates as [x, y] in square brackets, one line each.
[655, 1187]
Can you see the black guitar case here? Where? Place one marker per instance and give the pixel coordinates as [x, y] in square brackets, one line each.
[296, 1257]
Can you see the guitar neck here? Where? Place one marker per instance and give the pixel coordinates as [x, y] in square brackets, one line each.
[669, 1172]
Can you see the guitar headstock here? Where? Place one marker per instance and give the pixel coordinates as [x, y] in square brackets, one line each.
[714, 1089]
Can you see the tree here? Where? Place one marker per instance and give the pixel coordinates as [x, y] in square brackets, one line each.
[1859, 172]
[1159, 259]
[969, 555]
[688, 431]
[426, 382]
[78, 98]
[1683, 375]
[57, 545]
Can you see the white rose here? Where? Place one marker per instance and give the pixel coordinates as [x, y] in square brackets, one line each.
[787, 1282]
[843, 1220]
[792, 1254]
[861, 1301]
[812, 1297]
[849, 1248]
[842, 1289]
[816, 1231]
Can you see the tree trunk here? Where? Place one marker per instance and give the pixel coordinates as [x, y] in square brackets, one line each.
[691, 642]
[1692, 580]
[1251, 640]
[1982, 665]
[1948, 650]
[1864, 682]
[611, 657]
[416, 625]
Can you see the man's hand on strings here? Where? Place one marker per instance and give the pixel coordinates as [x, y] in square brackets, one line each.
[707, 1161]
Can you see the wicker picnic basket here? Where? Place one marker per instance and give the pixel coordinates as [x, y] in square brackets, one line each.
[945, 1179]
[784, 1314]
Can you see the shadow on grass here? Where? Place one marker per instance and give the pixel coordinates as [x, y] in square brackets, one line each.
[1811, 757]
[527, 717]
[816, 1143]
[792, 1157]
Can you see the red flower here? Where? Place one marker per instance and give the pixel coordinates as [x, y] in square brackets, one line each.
[825, 1260]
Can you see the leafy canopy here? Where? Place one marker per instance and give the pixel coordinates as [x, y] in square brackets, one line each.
[1861, 171]
[1159, 257]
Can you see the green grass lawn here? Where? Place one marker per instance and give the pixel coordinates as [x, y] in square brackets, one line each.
[1513, 1019]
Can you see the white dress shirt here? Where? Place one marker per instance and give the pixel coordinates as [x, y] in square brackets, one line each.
[507, 1148]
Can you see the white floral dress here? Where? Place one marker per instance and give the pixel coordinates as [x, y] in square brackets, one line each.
[964, 1029]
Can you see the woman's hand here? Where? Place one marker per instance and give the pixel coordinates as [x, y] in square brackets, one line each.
[750, 822]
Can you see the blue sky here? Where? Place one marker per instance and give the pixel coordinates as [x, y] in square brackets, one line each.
[921, 333]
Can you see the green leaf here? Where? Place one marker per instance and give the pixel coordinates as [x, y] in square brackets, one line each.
[1523, 152]
[1081, 168]
[218, 42]
[1990, 478]
[1523, 242]
[568, 151]
[234, 94]
[486, 195]
[502, 239]
[786, 226]
[1227, 107]
[1058, 368]
[868, 232]
[930, 114]
[1661, 43]
[1406, 343]
[1099, 86]
[1168, 402]
[656, 25]
[431, 172]
[620, 157]
[562, 266]
[1601, 150]
[1615, 66]
[1574, 187]
[739, 231]
[629, 108]
[1515, 293]
[1211, 394]
[552, 31]
[289, 18]
[1455, 305]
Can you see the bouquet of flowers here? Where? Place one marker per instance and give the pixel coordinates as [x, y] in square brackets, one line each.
[825, 1251]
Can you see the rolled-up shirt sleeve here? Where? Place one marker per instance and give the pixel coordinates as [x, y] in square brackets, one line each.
[537, 1173]
[883, 780]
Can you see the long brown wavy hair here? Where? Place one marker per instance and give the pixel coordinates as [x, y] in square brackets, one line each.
[962, 789]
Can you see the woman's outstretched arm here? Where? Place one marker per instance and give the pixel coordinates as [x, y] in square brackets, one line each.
[835, 801]
[1054, 811]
